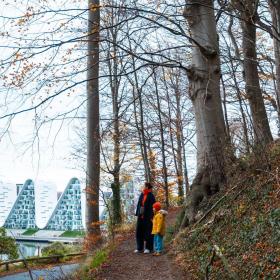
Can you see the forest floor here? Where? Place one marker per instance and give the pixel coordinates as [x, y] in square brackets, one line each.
[239, 236]
[124, 264]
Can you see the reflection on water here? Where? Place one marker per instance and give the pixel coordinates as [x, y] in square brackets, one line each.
[30, 249]
[27, 249]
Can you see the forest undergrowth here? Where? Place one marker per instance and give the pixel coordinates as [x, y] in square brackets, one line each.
[238, 233]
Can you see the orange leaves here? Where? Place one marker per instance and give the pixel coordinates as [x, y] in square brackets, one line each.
[266, 76]
[241, 209]
[94, 7]
[269, 98]
[261, 245]
[26, 17]
[126, 178]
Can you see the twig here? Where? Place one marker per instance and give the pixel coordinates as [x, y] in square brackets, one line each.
[214, 206]
[209, 264]
[221, 199]
[231, 273]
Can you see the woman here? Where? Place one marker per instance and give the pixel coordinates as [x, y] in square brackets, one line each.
[144, 213]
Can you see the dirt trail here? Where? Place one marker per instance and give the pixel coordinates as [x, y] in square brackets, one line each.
[124, 264]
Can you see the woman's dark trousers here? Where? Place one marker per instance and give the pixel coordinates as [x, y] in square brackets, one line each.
[144, 233]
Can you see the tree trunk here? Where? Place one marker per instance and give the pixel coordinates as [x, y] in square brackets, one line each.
[186, 176]
[179, 145]
[116, 202]
[275, 15]
[117, 215]
[164, 173]
[261, 127]
[204, 77]
[174, 153]
[137, 95]
[238, 92]
[93, 137]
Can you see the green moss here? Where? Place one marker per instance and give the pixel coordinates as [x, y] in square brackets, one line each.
[99, 258]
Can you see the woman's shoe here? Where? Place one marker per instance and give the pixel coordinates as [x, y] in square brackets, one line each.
[138, 251]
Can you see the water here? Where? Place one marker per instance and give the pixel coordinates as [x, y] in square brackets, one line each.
[30, 249]
[52, 273]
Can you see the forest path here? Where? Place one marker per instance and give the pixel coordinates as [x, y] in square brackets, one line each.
[124, 264]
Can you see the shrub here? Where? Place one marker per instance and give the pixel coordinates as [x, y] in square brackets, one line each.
[8, 245]
[58, 248]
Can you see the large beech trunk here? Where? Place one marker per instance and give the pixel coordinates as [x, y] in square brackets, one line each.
[204, 77]
[93, 137]
[261, 127]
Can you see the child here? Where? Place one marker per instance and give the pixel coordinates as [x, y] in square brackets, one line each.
[158, 228]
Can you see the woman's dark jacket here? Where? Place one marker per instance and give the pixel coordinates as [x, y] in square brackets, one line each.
[148, 206]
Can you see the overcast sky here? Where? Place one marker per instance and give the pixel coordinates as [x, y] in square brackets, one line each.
[25, 152]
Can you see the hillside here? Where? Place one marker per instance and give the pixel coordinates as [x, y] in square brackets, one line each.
[239, 237]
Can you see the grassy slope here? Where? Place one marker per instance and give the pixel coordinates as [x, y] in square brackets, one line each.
[74, 233]
[245, 225]
[30, 231]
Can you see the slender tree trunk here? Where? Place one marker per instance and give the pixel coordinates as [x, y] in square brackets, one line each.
[186, 176]
[179, 144]
[116, 203]
[261, 127]
[238, 92]
[174, 152]
[225, 108]
[172, 139]
[275, 15]
[204, 77]
[165, 178]
[93, 137]
[137, 95]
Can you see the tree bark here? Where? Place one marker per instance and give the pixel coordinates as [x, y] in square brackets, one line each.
[275, 15]
[117, 216]
[238, 92]
[137, 95]
[262, 133]
[204, 77]
[93, 137]
[179, 149]
[164, 173]
[176, 152]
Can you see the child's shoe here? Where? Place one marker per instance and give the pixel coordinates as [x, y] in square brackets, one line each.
[147, 251]
[156, 254]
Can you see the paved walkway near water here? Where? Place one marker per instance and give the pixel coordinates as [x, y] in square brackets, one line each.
[49, 239]
[52, 273]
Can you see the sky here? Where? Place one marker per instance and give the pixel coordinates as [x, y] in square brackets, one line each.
[20, 160]
[24, 152]
[46, 155]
